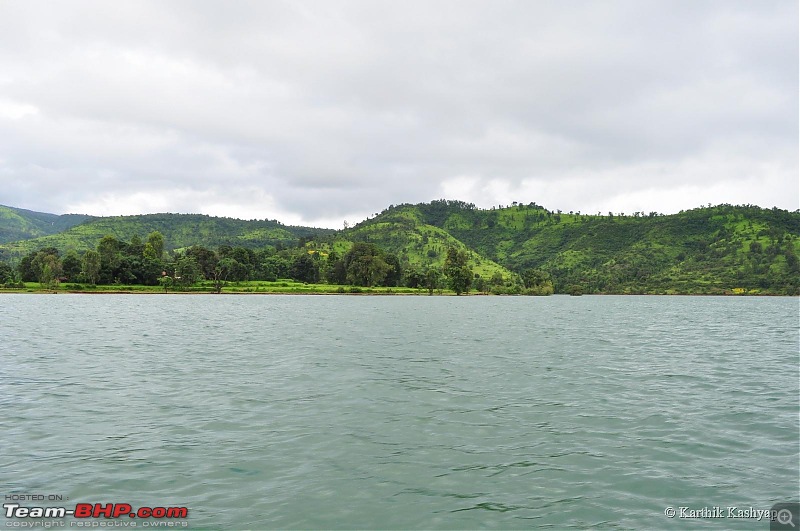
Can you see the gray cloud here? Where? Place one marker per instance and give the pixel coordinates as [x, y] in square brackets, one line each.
[313, 112]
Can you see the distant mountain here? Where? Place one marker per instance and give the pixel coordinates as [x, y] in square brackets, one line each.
[20, 224]
[179, 230]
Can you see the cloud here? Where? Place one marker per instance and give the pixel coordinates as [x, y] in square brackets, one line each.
[318, 112]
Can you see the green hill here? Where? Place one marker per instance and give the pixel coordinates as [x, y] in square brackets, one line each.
[404, 233]
[179, 230]
[720, 249]
[704, 250]
[20, 224]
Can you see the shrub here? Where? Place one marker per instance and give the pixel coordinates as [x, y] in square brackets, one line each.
[542, 290]
[575, 289]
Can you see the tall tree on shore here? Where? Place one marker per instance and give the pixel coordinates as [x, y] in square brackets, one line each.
[6, 273]
[457, 271]
[433, 276]
[110, 257]
[365, 265]
[91, 266]
[71, 266]
[48, 269]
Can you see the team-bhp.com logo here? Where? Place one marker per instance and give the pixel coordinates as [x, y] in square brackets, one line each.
[97, 510]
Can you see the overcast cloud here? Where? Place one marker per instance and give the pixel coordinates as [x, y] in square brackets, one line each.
[317, 112]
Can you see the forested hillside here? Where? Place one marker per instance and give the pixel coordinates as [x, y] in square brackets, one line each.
[521, 248]
[404, 233]
[705, 250]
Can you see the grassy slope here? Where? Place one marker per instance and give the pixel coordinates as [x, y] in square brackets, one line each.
[20, 224]
[404, 233]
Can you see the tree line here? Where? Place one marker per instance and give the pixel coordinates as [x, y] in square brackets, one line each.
[145, 262]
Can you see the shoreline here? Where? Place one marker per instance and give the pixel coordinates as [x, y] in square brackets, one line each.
[370, 294]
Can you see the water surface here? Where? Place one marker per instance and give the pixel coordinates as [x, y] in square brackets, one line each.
[403, 412]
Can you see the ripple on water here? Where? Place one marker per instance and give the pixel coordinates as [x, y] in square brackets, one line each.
[353, 412]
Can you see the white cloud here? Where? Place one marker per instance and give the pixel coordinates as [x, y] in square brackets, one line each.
[12, 110]
[320, 112]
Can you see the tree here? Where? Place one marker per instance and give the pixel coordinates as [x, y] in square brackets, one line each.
[792, 263]
[48, 269]
[365, 265]
[537, 282]
[305, 269]
[71, 266]
[155, 241]
[236, 270]
[274, 267]
[109, 249]
[148, 271]
[136, 246]
[246, 259]
[433, 277]
[149, 252]
[575, 289]
[166, 281]
[206, 258]
[187, 271]
[457, 271]
[129, 270]
[6, 273]
[414, 278]
[479, 284]
[91, 266]
[221, 272]
[337, 271]
[395, 273]
[497, 280]
[26, 269]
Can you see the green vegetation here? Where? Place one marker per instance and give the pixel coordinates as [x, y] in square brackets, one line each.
[179, 231]
[710, 250]
[139, 266]
[537, 282]
[424, 248]
[457, 271]
[281, 286]
[20, 224]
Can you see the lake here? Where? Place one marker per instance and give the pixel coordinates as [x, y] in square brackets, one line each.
[403, 412]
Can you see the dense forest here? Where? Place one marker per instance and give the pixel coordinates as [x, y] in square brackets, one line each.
[145, 262]
[513, 249]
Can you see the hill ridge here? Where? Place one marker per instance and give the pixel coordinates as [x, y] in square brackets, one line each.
[707, 249]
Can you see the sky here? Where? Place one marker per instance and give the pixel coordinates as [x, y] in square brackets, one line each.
[321, 112]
